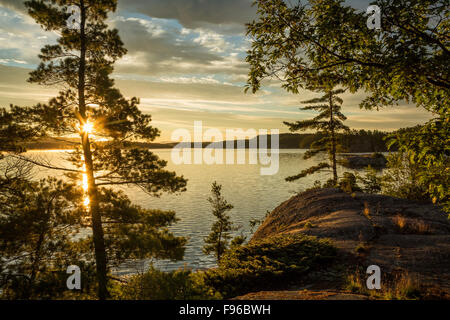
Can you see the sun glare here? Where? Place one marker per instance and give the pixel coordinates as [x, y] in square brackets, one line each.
[87, 201]
[85, 186]
[88, 127]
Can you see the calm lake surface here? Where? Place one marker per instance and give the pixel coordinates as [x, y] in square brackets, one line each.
[251, 194]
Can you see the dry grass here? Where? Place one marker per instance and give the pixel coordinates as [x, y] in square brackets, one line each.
[422, 227]
[362, 248]
[401, 287]
[404, 287]
[366, 210]
[400, 222]
[411, 226]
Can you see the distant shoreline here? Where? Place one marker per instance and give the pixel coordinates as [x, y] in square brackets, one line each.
[355, 142]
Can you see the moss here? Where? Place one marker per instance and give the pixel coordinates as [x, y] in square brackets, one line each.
[309, 225]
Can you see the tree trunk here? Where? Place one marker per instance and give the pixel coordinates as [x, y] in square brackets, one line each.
[219, 243]
[34, 266]
[333, 140]
[97, 229]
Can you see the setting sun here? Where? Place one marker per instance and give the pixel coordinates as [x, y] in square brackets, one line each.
[88, 127]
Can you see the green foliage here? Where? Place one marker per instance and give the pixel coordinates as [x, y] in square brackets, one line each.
[132, 232]
[407, 62]
[256, 222]
[13, 134]
[371, 181]
[353, 141]
[309, 225]
[259, 265]
[309, 41]
[401, 179]
[364, 141]
[238, 241]
[218, 240]
[159, 285]
[423, 166]
[39, 237]
[328, 124]
[394, 287]
[38, 222]
[349, 183]
[80, 64]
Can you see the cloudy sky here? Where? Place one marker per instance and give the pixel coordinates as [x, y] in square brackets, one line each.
[186, 62]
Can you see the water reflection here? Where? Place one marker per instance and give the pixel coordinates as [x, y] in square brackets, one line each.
[243, 186]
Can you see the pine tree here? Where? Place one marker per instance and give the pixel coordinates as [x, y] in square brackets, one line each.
[327, 125]
[88, 105]
[218, 240]
[37, 225]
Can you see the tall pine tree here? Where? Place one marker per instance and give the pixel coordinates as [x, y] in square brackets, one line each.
[327, 125]
[88, 105]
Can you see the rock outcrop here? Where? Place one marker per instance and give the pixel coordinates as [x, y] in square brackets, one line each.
[395, 234]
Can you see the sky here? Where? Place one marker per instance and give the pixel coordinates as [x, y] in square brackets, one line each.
[186, 62]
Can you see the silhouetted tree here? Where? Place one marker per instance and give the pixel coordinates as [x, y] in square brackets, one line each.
[328, 124]
[218, 240]
[88, 105]
[37, 222]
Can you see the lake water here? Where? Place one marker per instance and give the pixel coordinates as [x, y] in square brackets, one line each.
[251, 194]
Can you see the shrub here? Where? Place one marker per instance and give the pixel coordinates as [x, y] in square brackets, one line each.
[400, 286]
[309, 225]
[378, 155]
[370, 182]
[401, 179]
[264, 263]
[348, 183]
[159, 285]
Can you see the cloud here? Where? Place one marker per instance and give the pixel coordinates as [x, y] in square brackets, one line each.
[211, 40]
[195, 13]
[186, 62]
[168, 50]
[21, 38]
[224, 16]
[13, 4]
[157, 47]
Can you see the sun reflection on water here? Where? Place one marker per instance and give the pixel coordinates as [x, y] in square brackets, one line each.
[85, 186]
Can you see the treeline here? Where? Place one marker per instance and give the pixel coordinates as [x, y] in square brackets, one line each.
[355, 141]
